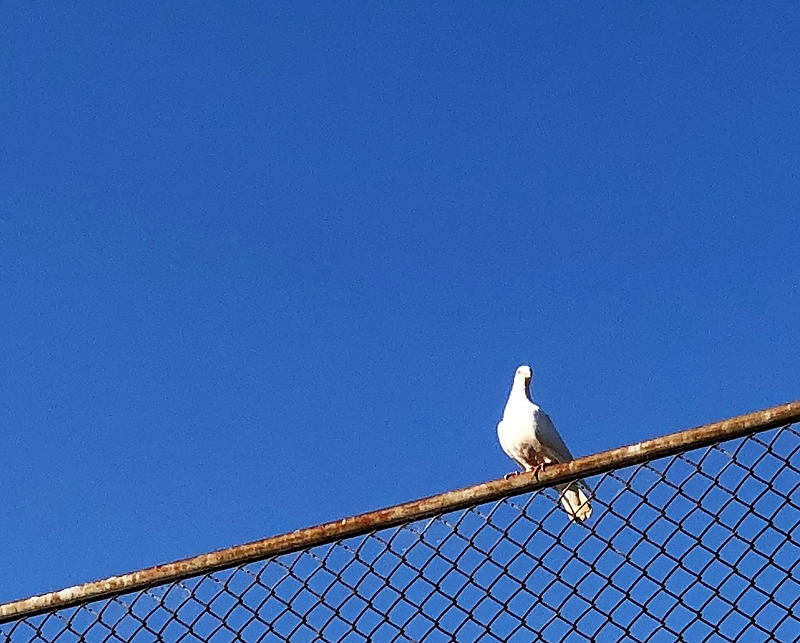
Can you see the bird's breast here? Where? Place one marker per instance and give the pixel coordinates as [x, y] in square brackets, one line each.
[517, 431]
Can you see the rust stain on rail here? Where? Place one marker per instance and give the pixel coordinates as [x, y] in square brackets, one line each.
[408, 512]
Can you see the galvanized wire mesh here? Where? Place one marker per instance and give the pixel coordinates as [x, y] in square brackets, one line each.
[704, 546]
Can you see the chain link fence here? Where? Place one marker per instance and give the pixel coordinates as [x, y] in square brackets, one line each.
[699, 546]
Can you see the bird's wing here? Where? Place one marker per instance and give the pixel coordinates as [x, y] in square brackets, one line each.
[549, 438]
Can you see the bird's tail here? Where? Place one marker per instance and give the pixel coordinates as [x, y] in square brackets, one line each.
[575, 502]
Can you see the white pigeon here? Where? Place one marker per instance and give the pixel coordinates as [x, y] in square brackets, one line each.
[529, 437]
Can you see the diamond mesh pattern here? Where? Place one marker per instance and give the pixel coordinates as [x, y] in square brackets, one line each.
[704, 546]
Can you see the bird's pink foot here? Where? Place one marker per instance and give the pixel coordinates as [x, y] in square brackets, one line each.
[538, 468]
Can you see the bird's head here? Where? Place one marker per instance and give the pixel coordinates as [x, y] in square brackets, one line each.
[522, 380]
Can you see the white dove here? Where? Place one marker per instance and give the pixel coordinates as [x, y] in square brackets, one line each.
[529, 437]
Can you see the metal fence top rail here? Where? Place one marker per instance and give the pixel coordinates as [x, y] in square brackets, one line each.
[648, 450]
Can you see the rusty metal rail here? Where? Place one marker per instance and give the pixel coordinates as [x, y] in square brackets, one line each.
[402, 514]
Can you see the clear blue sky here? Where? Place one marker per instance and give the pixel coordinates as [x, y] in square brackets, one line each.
[268, 264]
